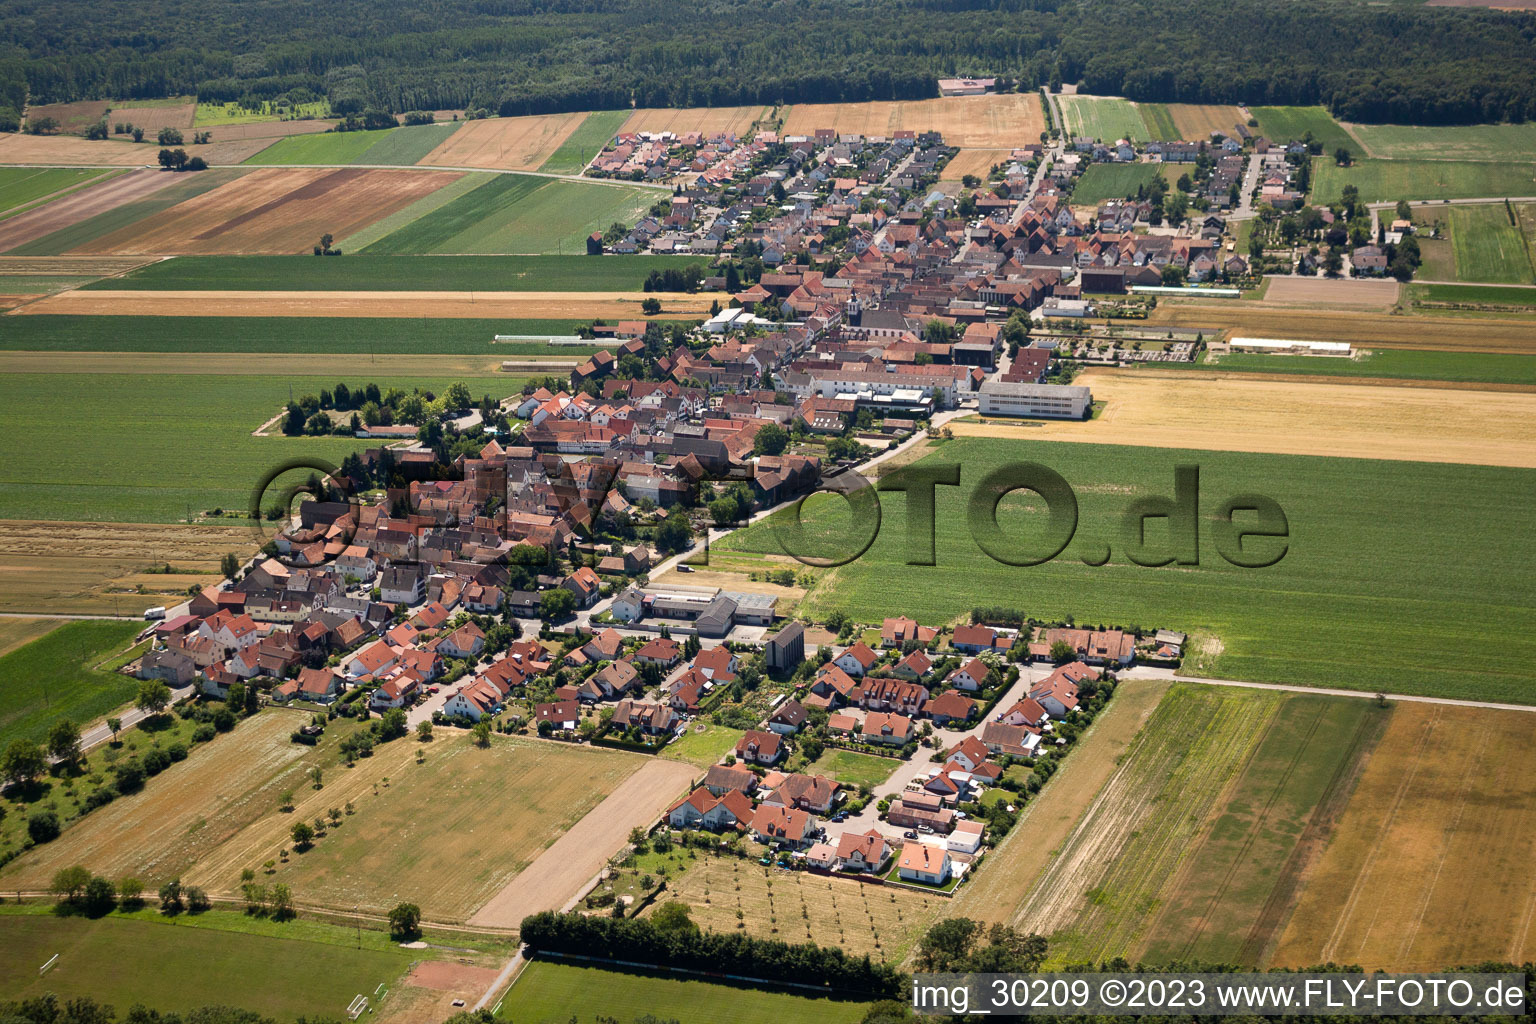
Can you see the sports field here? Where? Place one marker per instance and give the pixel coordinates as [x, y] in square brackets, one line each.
[65, 674]
[1446, 142]
[1113, 181]
[1488, 244]
[852, 768]
[22, 185]
[1391, 180]
[736, 121]
[175, 965]
[504, 143]
[552, 993]
[517, 213]
[1448, 790]
[578, 149]
[1328, 613]
[1291, 124]
[969, 122]
[1105, 118]
[794, 906]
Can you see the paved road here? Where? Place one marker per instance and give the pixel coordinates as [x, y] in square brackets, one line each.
[98, 734]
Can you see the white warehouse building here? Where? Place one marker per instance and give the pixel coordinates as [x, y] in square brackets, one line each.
[1016, 398]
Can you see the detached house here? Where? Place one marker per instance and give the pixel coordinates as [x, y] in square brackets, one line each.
[863, 852]
[923, 863]
[788, 825]
[758, 747]
[857, 659]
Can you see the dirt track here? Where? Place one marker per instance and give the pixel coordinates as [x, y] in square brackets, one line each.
[558, 874]
[77, 206]
[511, 305]
[1173, 409]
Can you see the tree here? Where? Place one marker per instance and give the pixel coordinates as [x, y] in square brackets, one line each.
[674, 916]
[154, 697]
[650, 306]
[115, 724]
[392, 724]
[424, 731]
[280, 902]
[131, 892]
[43, 826]
[170, 137]
[64, 741]
[404, 922]
[173, 159]
[674, 533]
[229, 565]
[69, 883]
[1062, 651]
[303, 835]
[99, 897]
[771, 439]
[138, 135]
[23, 762]
[1341, 156]
[556, 604]
[482, 731]
[170, 897]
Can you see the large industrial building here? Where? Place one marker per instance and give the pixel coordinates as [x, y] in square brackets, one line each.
[1052, 401]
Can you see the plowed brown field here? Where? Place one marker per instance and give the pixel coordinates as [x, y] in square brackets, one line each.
[71, 117]
[512, 305]
[152, 119]
[274, 211]
[982, 122]
[505, 143]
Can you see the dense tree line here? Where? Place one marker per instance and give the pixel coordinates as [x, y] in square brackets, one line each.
[1366, 62]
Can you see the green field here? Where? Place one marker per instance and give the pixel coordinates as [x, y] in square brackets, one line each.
[397, 146]
[1159, 121]
[1440, 545]
[1488, 246]
[88, 230]
[390, 273]
[22, 185]
[429, 203]
[382, 336]
[1401, 363]
[1106, 118]
[60, 675]
[1290, 124]
[144, 448]
[1391, 180]
[702, 748]
[1454, 142]
[853, 768]
[585, 142]
[554, 993]
[1515, 298]
[520, 213]
[1113, 181]
[297, 968]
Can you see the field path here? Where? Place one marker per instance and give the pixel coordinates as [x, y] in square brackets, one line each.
[556, 877]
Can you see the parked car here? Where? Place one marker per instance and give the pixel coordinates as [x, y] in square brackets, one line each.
[909, 834]
[685, 568]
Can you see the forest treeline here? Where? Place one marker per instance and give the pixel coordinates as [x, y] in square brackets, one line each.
[1395, 63]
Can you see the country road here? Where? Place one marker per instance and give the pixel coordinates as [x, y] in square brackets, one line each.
[1140, 672]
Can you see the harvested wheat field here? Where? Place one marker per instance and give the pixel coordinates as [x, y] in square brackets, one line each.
[557, 875]
[72, 118]
[973, 161]
[279, 364]
[69, 266]
[997, 894]
[1361, 329]
[736, 121]
[1430, 866]
[274, 211]
[152, 119]
[1360, 292]
[1196, 121]
[1171, 409]
[95, 568]
[81, 204]
[73, 150]
[505, 143]
[267, 131]
[511, 305]
[981, 122]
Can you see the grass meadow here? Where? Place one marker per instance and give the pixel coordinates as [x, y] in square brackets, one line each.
[1446, 142]
[66, 673]
[1391, 180]
[211, 115]
[286, 970]
[553, 993]
[22, 185]
[1113, 181]
[1106, 118]
[1372, 545]
[1488, 245]
[1286, 124]
[702, 748]
[852, 768]
[1400, 363]
[389, 273]
[585, 142]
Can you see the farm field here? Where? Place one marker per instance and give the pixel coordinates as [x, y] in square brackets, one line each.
[81, 217]
[111, 152]
[16, 632]
[423, 817]
[737, 121]
[1399, 364]
[1170, 408]
[552, 993]
[521, 214]
[1194, 122]
[1005, 879]
[1358, 292]
[397, 146]
[1158, 120]
[72, 118]
[61, 676]
[1447, 786]
[99, 568]
[1450, 142]
[1327, 614]
[505, 143]
[274, 210]
[381, 336]
[22, 185]
[1106, 118]
[1391, 180]
[428, 204]
[401, 273]
[853, 768]
[1112, 181]
[178, 965]
[1488, 246]
[367, 304]
[1361, 329]
[1287, 124]
[795, 906]
[152, 115]
[1514, 298]
[146, 446]
[978, 162]
[212, 115]
[585, 142]
[265, 130]
[999, 121]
